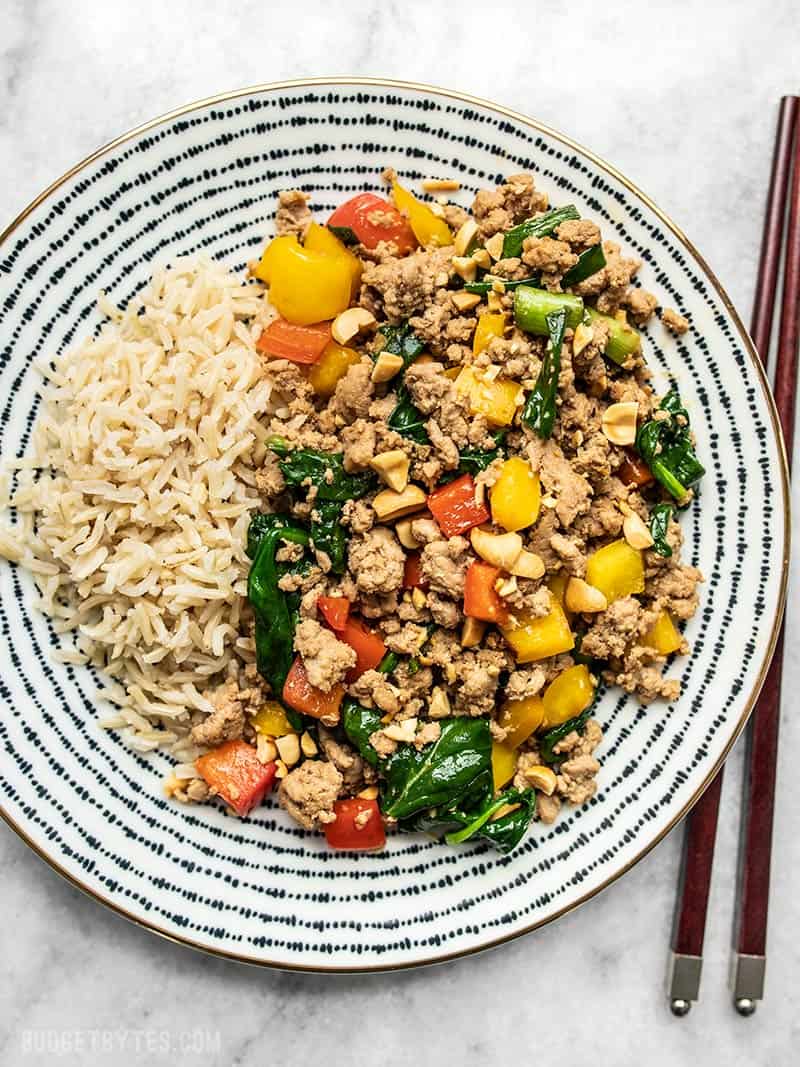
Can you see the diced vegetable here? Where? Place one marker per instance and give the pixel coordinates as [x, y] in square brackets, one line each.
[321, 239]
[532, 306]
[454, 507]
[300, 344]
[504, 763]
[623, 340]
[557, 584]
[335, 610]
[663, 635]
[491, 324]
[567, 696]
[331, 367]
[273, 251]
[271, 720]
[540, 407]
[428, 228]
[520, 719]
[516, 495]
[634, 471]
[236, 774]
[497, 399]
[301, 695]
[358, 825]
[412, 575]
[307, 287]
[373, 219]
[537, 638]
[539, 226]
[368, 646]
[616, 570]
[481, 600]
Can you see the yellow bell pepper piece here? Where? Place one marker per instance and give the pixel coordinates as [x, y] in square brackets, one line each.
[521, 718]
[306, 286]
[271, 721]
[567, 695]
[272, 252]
[537, 638]
[332, 365]
[663, 635]
[616, 570]
[320, 239]
[557, 584]
[504, 764]
[428, 228]
[516, 495]
[496, 399]
[490, 325]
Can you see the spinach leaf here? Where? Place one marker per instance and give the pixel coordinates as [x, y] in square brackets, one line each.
[439, 773]
[659, 525]
[463, 822]
[407, 419]
[549, 740]
[275, 611]
[325, 470]
[359, 723]
[345, 234]
[589, 263]
[402, 341]
[259, 525]
[539, 413]
[329, 535]
[666, 447]
[474, 460]
[540, 226]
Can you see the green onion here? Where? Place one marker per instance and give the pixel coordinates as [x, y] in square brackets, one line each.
[623, 340]
[532, 306]
[589, 263]
[541, 226]
[486, 284]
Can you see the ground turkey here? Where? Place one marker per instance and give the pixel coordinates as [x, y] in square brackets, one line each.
[325, 659]
[293, 214]
[377, 561]
[443, 565]
[226, 722]
[309, 791]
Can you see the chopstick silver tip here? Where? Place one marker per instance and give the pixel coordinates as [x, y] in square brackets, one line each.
[747, 981]
[684, 982]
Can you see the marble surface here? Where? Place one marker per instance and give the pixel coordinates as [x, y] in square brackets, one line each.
[682, 98]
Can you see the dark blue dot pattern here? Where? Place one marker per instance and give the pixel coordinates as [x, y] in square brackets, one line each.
[262, 889]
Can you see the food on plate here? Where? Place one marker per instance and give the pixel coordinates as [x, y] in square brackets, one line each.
[377, 524]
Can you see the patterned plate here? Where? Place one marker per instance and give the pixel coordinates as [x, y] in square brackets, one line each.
[206, 178]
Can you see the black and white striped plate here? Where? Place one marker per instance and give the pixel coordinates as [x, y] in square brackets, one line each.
[205, 179]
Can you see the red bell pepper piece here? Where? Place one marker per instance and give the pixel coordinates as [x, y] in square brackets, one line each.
[454, 507]
[368, 645]
[358, 825]
[300, 344]
[301, 695]
[335, 610]
[373, 219]
[481, 600]
[412, 574]
[237, 775]
[634, 471]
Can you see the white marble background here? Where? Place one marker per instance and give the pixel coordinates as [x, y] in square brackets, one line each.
[682, 97]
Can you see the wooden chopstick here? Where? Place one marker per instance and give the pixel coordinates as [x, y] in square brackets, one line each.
[762, 755]
[701, 828]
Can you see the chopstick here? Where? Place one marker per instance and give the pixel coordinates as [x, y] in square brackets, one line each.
[701, 829]
[756, 849]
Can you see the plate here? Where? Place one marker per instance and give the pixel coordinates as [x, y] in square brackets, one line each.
[205, 178]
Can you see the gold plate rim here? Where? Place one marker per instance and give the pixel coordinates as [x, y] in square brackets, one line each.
[598, 161]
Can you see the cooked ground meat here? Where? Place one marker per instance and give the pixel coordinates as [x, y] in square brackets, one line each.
[309, 792]
[326, 659]
[408, 583]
